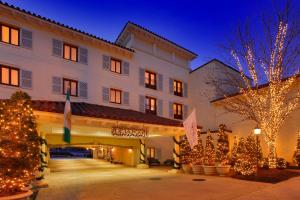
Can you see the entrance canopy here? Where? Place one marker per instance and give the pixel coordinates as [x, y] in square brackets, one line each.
[102, 121]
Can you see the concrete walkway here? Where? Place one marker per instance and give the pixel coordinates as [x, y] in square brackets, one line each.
[94, 179]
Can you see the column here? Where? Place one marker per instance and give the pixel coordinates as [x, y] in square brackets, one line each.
[142, 151]
[176, 152]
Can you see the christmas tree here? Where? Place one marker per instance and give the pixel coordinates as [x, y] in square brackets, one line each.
[185, 151]
[297, 152]
[19, 144]
[197, 154]
[234, 151]
[222, 151]
[209, 156]
[248, 153]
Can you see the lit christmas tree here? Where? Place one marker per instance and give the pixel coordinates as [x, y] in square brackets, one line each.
[209, 155]
[247, 154]
[222, 151]
[297, 152]
[185, 151]
[19, 144]
[234, 151]
[197, 154]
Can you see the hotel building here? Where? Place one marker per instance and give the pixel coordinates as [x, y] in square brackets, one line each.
[129, 97]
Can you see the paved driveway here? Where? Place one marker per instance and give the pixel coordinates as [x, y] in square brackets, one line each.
[94, 179]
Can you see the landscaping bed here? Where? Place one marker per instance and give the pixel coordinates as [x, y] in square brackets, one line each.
[269, 175]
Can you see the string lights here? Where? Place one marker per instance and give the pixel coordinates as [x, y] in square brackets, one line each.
[268, 106]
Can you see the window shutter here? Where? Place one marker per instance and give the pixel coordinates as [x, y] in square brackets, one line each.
[125, 98]
[171, 115]
[185, 111]
[160, 107]
[125, 67]
[171, 87]
[56, 85]
[105, 94]
[57, 47]
[26, 79]
[185, 89]
[83, 55]
[142, 77]
[83, 89]
[142, 103]
[160, 81]
[106, 62]
[26, 38]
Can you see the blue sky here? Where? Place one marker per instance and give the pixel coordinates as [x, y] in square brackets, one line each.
[201, 26]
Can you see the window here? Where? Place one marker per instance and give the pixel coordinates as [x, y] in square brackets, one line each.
[9, 76]
[115, 65]
[115, 96]
[70, 52]
[10, 35]
[151, 152]
[177, 110]
[177, 88]
[150, 80]
[72, 85]
[151, 105]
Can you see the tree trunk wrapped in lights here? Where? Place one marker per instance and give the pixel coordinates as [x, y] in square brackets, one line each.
[222, 151]
[19, 144]
[210, 154]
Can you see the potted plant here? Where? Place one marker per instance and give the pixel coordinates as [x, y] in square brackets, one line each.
[18, 137]
[209, 157]
[222, 158]
[185, 155]
[197, 157]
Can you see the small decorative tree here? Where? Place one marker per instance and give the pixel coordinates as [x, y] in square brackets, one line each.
[185, 151]
[234, 151]
[19, 144]
[222, 151]
[197, 154]
[247, 154]
[209, 156]
[297, 152]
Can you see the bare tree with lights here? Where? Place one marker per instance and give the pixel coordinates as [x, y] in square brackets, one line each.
[271, 93]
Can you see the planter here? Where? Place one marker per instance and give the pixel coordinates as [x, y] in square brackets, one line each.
[187, 168]
[223, 170]
[210, 170]
[197, 169]
[21, 196]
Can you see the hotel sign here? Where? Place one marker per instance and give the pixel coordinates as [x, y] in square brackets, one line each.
[129, 132]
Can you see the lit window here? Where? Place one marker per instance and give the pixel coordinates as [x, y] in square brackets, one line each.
[177, 88]
[70, 52]
[115, 65]
[72, 85]
[115, 96]
[150, 80]
[151, 152]
[9, 35]
[9, 75]
[151, 105]
[177, 110]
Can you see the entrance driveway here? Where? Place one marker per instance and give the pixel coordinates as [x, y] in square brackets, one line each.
[95, 179]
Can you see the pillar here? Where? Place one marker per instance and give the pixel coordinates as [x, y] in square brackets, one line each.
[142, 151]
[176, 152]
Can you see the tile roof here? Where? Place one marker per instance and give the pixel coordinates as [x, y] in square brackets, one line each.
[104, 112]
[63, 25]
[155, 34]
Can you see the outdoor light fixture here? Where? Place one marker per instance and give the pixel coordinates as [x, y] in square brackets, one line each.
[257, 130]
[130, 150]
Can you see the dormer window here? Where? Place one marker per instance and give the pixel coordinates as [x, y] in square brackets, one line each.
[70, 52]
[10, 35]
[150, 80]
